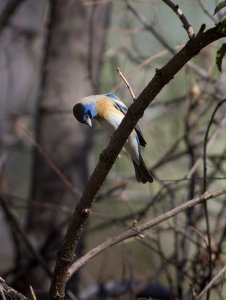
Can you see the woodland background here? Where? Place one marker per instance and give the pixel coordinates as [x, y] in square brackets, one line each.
[51, 55]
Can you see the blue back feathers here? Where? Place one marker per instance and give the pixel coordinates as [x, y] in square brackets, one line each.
[112, 96]
[121, 106]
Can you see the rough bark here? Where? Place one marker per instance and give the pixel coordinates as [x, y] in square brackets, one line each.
[9, 293]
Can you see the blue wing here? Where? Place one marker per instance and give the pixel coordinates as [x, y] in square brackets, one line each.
[121, 106]
[112, 96]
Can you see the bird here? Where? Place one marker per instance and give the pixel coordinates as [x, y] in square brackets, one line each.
[109, 111]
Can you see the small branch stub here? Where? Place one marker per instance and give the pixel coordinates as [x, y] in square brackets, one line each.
[85, 212]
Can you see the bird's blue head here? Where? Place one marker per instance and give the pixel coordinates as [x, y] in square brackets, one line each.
[85, 112]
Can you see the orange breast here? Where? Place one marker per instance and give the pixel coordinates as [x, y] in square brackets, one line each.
[105, 107]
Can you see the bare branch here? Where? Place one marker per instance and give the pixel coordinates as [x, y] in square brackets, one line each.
[197, 69]
[6, 292]
[210, 143]
[32, 293]
[66, 253]
[211, 283]
[139, 229]
[52, 165]
[23, 236]
[127, 84]
[182, 17]
[206, 11]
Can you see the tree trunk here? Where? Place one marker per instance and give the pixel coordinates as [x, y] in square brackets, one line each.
[71, 68]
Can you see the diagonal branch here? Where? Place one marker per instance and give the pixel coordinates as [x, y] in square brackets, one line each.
[211, 283]
[6, 292]
[139, 229]
[15, 225]
[182, 17]
[201, 72]
[66, 253]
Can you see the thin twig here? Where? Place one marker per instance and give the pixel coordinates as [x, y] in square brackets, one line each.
[149, 27]
[206, 11]
[32, 293]
[206, 142]
[197, 69]
[139, 229]
[182, 17]
[210, 143]
[52, 165]
[205, 188]
[15, 224]
[127, 84]
[145, 63]
[211, 283]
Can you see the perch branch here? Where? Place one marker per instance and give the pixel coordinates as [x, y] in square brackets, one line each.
[66, 253]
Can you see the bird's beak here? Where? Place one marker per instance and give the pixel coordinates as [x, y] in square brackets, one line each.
[89, 122]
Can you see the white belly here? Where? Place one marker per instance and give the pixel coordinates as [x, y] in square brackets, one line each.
[132, 147]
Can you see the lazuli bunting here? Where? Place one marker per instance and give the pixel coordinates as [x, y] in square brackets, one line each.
[109, 111]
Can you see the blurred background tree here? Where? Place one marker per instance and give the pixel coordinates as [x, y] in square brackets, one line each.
[52, 54]
[68, 66]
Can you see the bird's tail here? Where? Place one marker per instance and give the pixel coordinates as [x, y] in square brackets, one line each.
[142, 174]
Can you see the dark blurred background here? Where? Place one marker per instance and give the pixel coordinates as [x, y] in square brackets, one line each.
[53, 53]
